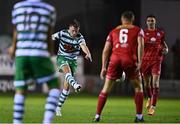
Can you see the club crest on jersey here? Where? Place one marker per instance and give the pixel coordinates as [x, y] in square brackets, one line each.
[153, 39]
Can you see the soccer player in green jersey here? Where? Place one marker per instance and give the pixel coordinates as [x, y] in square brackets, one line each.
[33, 22]
[70, 42]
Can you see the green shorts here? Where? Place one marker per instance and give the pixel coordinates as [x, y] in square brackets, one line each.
[61, 61]
[34, 69]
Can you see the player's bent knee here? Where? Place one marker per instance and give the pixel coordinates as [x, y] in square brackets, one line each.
[138, 89]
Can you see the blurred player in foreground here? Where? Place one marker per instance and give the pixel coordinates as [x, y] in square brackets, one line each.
[33, 22]
[70, 42]
[124, 49]
[154, 50]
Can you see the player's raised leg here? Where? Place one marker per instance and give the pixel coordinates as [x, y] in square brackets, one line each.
[70, 79]
[68, 67]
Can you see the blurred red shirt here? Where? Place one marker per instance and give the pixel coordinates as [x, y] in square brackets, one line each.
[153, 44]
[124, 41]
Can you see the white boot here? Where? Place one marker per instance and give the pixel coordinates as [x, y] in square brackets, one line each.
[77, 88]
[58, 111]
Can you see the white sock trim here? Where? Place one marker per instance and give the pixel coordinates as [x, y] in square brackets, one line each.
[97, 116]
[19, 98]
[139, 116]
[65, 92]
[54, 92]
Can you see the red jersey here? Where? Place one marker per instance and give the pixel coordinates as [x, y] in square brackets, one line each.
[124, 41]
[153, 41]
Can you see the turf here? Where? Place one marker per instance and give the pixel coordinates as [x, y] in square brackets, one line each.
[81, 109]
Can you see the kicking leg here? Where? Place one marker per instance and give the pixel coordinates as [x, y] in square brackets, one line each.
[70, 79]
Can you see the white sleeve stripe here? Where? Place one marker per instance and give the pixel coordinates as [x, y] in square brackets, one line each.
[141, 32]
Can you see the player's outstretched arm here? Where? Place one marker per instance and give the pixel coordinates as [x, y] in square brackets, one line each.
[85, 49]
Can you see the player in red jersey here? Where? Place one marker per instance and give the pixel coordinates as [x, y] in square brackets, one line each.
[123, 49]
[154, 49]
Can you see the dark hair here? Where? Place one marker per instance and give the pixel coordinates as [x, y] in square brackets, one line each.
[75, 23]
[151, 16]
[129, 15]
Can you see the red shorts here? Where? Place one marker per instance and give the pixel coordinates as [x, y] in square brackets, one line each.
[151, 67]
[119, 64]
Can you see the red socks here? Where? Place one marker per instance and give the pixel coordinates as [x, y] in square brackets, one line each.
[101, 102]
[139, 102]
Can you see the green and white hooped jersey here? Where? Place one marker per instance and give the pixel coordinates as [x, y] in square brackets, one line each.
[68, 47]
[32, 19]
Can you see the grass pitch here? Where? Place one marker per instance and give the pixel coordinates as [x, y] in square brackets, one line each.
[81, 109]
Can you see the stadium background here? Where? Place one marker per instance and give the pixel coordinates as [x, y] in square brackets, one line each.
[97, 18]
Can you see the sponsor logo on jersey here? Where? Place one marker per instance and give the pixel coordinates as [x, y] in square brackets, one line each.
[124, 45]
[152, 40]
